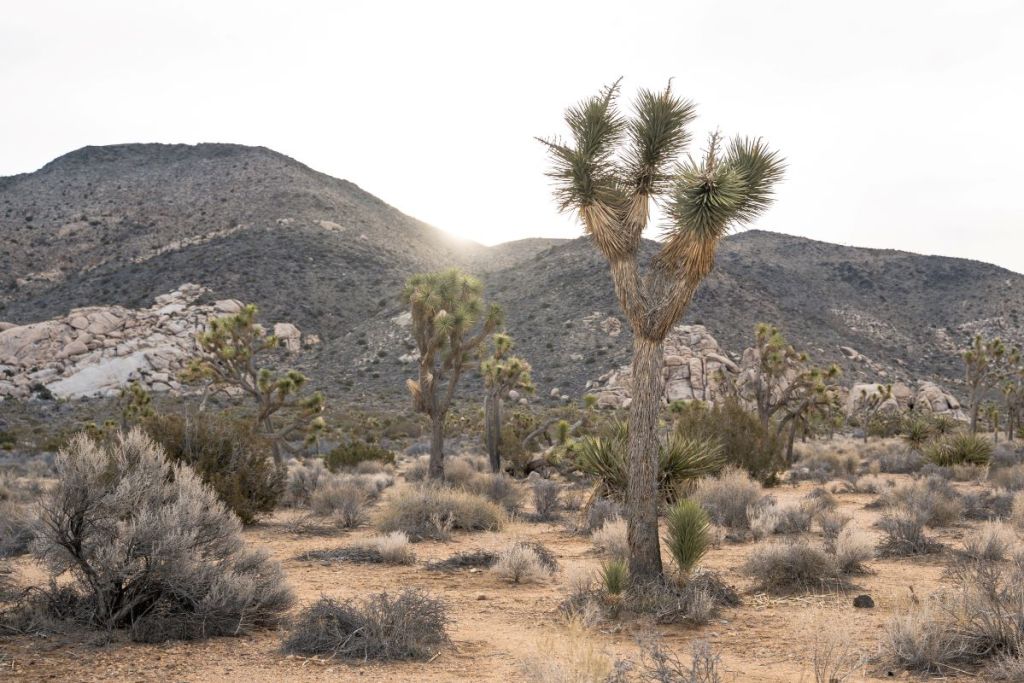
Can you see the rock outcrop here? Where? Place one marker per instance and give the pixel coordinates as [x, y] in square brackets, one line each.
[95, 351]
[693, 360]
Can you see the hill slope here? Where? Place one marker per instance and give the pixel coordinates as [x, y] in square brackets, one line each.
[124, 224]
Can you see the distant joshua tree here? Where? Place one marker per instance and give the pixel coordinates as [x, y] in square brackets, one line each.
[502, 373]
[609, 174]
[228, 360]
[449, 324]
[1013, 391]
[984, 370]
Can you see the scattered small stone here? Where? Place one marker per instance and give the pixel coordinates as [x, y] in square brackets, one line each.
[863, 602]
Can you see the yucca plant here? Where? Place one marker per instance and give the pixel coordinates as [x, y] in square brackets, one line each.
[679, 460]
[687, 537]
[615, 576]
[962, 448]
[916, 433]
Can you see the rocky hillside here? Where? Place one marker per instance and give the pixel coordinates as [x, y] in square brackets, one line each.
[125, 224]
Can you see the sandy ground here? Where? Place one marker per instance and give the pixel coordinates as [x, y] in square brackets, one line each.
[498, 625]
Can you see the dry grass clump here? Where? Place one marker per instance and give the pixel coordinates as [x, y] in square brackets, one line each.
[993, 542]
[794, 565]
[933, 499]
[410, 625]
[570, 657]
[546, 500]
[901, 462]
[418, 470]
[467, 559]
[727, 497]
[459, 470]
[393, 548]
[1009, 478]
[831, 523]
[149, 548]
[17, 529]
[823, 463]
[904, 534]
[304, 478]
[835, 658]
[433, 511]
[768, 517]
[987, 505]
[611, 540]
[873, 483]
[520, 563]
[599, 513]
[853, 549]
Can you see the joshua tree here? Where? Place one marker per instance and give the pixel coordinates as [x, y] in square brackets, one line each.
[502, 373]
[1013, 391]
[609, 174]
[783, 385]
[448, 324]
[984, 370]
[870, 403]
[135, 403]
[228, 361]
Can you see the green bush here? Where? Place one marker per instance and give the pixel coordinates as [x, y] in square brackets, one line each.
[235, 462]
[351, 454]
[687, 537]
[961, 448]
[745, 442]
[681, 460]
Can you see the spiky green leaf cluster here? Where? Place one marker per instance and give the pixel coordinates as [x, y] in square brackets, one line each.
[687, 536]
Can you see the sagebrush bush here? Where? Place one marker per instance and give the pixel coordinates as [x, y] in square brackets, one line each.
[1010, 478]
[355, 452]
[410, 625]
[304, 477]
[546, 499]
[961, 448]
[726, 498]
[17, 529]
[149, 546]
[993, 542]
[611, 540]
[776, 566]
[934, 499]
[831, 523]
[687, 534]
[745, 443]
[520, 563]
[904, 534]
[853, 550]
[344, 501]
[237, 462]
[599, 513]
[433, 511]
[498, 488]
[822, 463]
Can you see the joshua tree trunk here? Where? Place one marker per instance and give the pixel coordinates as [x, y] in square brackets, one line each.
[492, 426]
[642, 488]
[437, 446]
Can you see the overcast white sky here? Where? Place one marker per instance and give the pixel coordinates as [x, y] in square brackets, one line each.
[900, 119]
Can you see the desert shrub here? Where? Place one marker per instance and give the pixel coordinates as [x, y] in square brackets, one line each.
[823, 464]
[371, 467]
[933, 499]
[853, 549]
[418, 470]
[394, 548]
[831, 523]
[1006, 454]
[520, 563]
[986, 504]
[1010, 478]
[237, 462]
[660, 665]
[961, 448]
[901, 462]
[776, 566]
[467, 559]
[459, 471]
[610, 539]
[681, 460]
[410, 625]
[497, 488]
[873, 483]
[687, 534]
[354, 452]
[768, 517]
[304, 477]
[432, 511]
[922, 641]
[726, 498]
[916, 432]
[904, 534]
[17, 529]
[546, 501]
[150, 547]
[342, 500]
[745, 443]
[390, 548]
[599, 513]
[993, 542]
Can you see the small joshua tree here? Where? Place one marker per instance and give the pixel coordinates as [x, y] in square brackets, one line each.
[449, 324]
[984, 370]
[135, 403]
[785, 388]
[869, 404]
[609, 175]
[228, 360]
[502, 373]
[1013, 391]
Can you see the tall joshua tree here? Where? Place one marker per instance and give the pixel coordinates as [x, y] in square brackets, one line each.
[448, 323]
[502, 373]
[609, 174]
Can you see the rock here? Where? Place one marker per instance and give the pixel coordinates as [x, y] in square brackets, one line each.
[863, 602]
[94, 380]
[75, 348]
[289, 336]
[513, 395]
[227, 306]
[555, 393]
[79, 322]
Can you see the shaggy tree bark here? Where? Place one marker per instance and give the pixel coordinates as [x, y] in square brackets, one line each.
[492, 421]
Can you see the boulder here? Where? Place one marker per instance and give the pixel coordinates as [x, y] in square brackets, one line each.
[289, 336]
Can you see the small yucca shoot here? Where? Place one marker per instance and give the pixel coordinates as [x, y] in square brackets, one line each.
[687, 537]
[615, 576]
